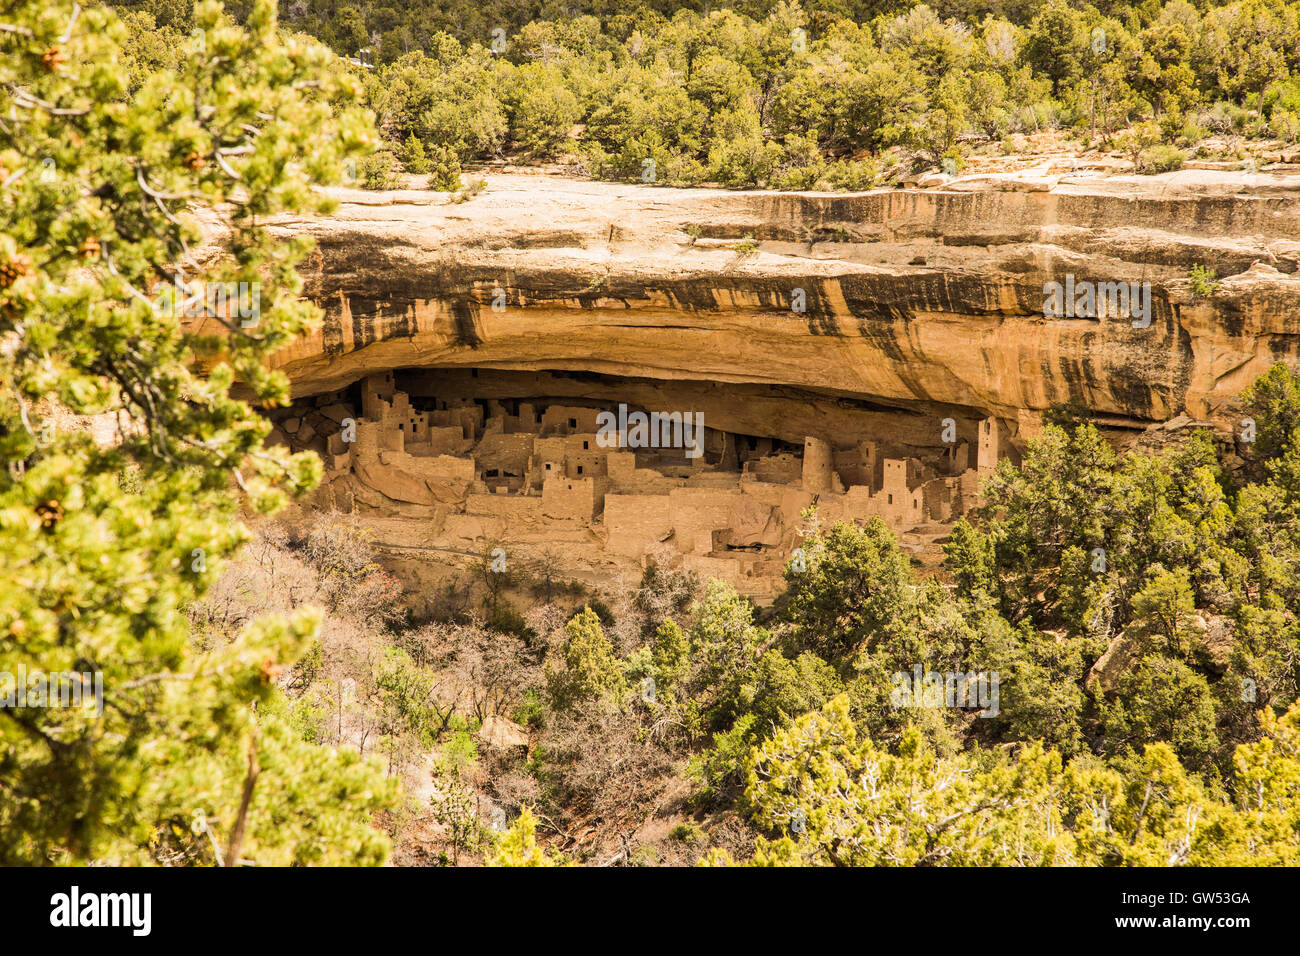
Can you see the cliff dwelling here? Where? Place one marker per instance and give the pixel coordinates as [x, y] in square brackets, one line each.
[470, 459]
[475, 354]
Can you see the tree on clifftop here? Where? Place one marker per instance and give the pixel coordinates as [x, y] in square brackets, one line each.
[102, 548]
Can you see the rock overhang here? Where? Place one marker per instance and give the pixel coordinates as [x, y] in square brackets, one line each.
[933, 297]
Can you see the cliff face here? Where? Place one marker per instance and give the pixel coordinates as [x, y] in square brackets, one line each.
[873, 355]
[932, 298]
[919, 296]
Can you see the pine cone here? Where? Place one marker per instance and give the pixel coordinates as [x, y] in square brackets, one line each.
[14, 269]
[52, 59]
[51, 513]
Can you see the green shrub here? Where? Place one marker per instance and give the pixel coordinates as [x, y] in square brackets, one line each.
[445, 170]
[848, 175]
[379, 171]
[1284, 115]
[472, 189]
[1203, 281]
[504, 619]
[801, 165]
[1171, 125]
[749, 161]
[721, 767]
[1161, 159]
[688, 832]
[602, 611]
[414, 157]
[541, 109]
[1223, 117]
[591, 670]
[531, 711]
[1285, 125]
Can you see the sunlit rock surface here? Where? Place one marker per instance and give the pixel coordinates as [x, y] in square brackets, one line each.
[913, 296]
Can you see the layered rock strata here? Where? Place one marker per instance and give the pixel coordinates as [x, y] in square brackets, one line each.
[847, 350]
[933, 298]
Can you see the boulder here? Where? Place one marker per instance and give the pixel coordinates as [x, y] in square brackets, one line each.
[503, 734]
[1123, 650]
[336, 412]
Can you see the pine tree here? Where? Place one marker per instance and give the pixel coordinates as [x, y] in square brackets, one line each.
[518, 845]
[102, 547]
[413, 155]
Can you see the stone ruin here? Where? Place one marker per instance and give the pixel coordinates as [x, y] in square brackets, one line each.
[470, 471]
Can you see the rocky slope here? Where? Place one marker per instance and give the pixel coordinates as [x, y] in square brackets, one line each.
[927, 299]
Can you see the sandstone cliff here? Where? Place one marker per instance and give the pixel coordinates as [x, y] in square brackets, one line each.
[919, 298]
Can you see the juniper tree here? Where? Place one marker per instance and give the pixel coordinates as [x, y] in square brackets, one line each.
[592, 670]
[826, 796]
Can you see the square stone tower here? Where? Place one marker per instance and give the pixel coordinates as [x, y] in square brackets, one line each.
[987, 452]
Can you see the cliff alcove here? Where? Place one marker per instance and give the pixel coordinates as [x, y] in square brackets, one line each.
[847, 349]
[718, 476]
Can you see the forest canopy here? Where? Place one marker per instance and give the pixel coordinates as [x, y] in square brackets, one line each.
[821, 95]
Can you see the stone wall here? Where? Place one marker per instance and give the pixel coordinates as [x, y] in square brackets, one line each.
[488, 468]
[635, 523]
[576, 498]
